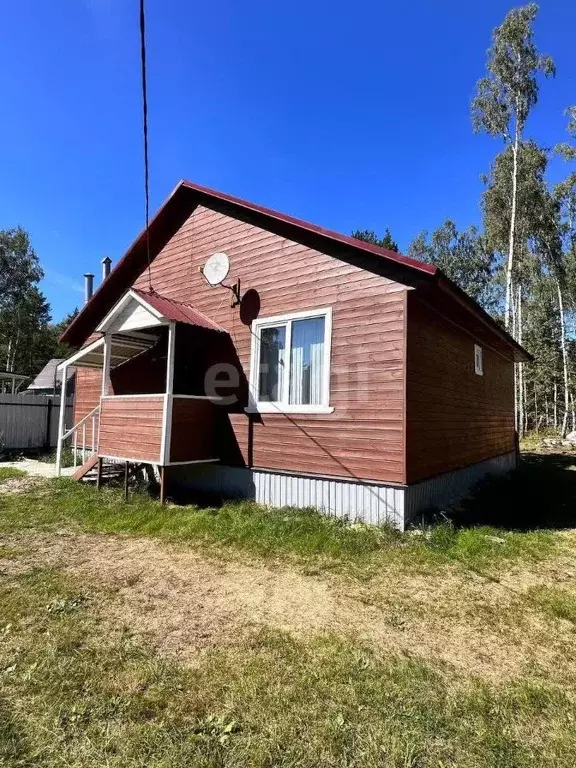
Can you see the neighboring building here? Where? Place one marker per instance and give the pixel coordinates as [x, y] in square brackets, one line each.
[49, 380]
[11, 383]
[356, 380]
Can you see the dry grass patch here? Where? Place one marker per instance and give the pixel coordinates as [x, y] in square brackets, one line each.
[184, 603]
[132, 635]
[79, 690]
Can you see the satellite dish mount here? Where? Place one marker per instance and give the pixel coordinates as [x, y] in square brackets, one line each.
[215, 272]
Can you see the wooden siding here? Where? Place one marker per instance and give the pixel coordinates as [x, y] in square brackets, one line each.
[131, 428]
[194, 430]
[454, 417]
[87, 397]
[363, 437]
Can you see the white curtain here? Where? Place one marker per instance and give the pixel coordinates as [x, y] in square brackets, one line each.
[296, 374]
[307, 361]
[316, 372]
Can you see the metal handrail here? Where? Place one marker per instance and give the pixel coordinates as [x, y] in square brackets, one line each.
[82, 421]
[92, 449]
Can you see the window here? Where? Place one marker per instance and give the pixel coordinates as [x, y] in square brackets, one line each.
[478, 362]
[290, 363]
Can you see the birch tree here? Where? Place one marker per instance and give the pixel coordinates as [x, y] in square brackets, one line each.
[503, 102]
[565, 199]
[536, 225]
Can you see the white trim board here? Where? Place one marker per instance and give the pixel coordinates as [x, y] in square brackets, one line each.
[125, 397]
[288, 408]
[156, 318]
[81, 353]
[162, 394]
[165, 443]
[156, 463]
[132, 460]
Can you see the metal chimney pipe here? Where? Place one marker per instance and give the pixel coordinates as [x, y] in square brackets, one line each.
[106, 262]
[88, 286]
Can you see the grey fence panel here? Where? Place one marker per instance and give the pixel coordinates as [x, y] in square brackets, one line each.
[30, 421]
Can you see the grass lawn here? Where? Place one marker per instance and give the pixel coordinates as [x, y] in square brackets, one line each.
[137, 635]
[9, 473]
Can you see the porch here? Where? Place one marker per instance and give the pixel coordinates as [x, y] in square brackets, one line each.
[144, 412]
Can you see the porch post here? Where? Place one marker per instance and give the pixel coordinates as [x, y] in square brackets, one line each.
[162, 471]
[61, 420]
[126, 482]
[106, 363]
[170, 359]
[167, 415]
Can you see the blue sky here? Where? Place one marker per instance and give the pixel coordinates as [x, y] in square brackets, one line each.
[350, 115]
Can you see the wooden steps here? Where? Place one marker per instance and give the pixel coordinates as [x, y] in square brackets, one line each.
[88, 472]
[85, 468]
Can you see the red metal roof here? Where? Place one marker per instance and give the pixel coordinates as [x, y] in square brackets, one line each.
[353, 242]
[178, 311]
[187, 195]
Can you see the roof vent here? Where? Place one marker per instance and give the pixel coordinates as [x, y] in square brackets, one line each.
[106, 262]
[88, 286]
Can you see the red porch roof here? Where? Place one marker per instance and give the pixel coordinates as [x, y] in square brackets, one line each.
[178, 311]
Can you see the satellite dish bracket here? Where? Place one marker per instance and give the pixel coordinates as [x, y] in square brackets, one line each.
[237, 298]
[235, 292]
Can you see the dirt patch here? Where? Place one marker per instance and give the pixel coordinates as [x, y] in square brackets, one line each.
[19, 484]
[185, 603]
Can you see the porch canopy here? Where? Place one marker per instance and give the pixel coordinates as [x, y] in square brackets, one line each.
[132, 326]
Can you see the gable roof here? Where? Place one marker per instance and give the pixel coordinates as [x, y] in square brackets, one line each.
[186, 196]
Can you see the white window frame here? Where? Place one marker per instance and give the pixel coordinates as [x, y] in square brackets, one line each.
[478, 360]
[284, 406]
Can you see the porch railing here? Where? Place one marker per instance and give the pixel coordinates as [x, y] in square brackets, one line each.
[80, 445]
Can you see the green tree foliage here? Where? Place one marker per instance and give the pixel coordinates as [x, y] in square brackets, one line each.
[536, 224]
[28, 339]
[463, 256]
[369, 236]
[19, 266]
[565, 190]
[57, 329]
[564, 149]
[544, 377]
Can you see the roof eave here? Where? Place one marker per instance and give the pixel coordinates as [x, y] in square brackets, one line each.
[447, 285]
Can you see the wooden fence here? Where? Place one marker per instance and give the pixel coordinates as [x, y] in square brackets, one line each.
[30, 421]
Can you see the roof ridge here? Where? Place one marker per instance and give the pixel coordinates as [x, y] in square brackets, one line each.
[354, 242]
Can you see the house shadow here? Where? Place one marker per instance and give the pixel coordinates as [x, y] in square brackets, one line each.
[215, 370]
[540, 493]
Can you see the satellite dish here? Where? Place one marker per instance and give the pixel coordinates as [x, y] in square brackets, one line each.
[216, 268]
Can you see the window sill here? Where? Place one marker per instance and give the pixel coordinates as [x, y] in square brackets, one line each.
[284, 408]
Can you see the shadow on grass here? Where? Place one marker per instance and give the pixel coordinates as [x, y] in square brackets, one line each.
[541, 493]
[14, 747]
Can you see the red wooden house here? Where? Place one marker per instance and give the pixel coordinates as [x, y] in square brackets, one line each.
[340, 376]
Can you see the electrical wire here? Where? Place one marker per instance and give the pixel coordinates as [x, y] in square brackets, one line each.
[145, 131]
